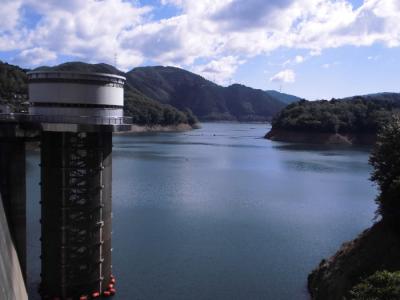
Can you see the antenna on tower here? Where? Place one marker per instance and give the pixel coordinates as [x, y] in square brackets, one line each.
[280, 88]
[115, 58]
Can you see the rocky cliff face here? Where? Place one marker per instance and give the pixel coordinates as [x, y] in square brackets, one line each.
[377, 248]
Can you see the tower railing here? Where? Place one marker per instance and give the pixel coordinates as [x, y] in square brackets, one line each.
[92, 120]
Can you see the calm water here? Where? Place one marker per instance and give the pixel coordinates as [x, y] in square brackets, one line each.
[220, 213]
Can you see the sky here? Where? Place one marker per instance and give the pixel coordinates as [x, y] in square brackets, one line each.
[315, 49]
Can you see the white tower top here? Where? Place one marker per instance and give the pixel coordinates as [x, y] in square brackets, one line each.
[90, 98]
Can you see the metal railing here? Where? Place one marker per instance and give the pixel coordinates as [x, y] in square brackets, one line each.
[90, 120]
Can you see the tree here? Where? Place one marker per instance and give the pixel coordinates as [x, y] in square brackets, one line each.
[382, 285]
[385, 159]
[191, 118]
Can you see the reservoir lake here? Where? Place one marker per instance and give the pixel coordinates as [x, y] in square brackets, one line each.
[221, 213]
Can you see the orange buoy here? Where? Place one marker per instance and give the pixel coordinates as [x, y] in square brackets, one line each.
[112, 291]
[95, 295]
[83, 297]
[112, 280]
[106, 293]
[110, 286]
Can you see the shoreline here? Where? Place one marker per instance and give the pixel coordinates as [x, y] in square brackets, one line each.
[376, 248]
[135, 129]
[159, 128]
[321, 138]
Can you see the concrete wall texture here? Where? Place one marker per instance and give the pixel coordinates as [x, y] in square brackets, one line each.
[12, 286]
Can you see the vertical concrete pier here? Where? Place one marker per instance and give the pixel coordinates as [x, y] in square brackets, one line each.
[76, 212]
[78, 113]
[74, 114]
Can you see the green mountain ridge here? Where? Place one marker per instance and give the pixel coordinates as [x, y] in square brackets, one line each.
[167, 95]
[285, 98]
[208, 101]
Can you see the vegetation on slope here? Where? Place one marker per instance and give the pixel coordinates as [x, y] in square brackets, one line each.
[207, 100]
[166, 95]
[385, 158]
[189, 93]
[376, 249]
[285, 98]
[382, 285]
[361, 114]
[143, 110]
[13, 86]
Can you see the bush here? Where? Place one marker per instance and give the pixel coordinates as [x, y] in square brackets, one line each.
[382, 285]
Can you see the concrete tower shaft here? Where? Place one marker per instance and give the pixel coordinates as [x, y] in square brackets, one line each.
[76, 175]
[77, 113]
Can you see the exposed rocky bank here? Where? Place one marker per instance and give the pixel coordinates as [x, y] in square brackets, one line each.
[377, 248]
[282, 135]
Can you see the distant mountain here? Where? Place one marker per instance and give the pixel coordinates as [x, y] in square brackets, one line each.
[78, 66]
[385, 96]
[190, 92]
[285, 98]
[144, 110]
[207, 100]
[165, 95]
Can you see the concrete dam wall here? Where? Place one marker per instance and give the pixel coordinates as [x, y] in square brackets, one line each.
[12, 286]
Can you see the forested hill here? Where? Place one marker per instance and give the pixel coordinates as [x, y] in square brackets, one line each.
[360, 114]
[207, 100]
[285, 98]
[13, 87]
[143, 110]
[168, 95]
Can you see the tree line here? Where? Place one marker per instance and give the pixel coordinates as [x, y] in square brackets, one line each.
[357, 114]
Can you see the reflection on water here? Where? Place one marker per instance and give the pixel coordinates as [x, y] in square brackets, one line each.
[221, 213]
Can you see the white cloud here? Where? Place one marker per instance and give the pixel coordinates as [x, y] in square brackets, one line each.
[172, 2]
[87, 30]
[285, 76]
[9, 14]
[34, 57]
[205, 30]
[220, 70]
[299, 59]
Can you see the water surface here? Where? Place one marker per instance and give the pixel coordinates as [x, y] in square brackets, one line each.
[220, 213]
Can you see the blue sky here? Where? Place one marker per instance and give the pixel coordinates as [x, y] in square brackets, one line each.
[311, 48]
